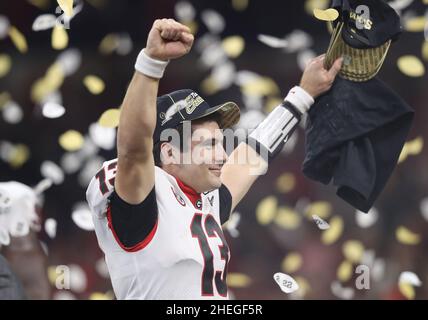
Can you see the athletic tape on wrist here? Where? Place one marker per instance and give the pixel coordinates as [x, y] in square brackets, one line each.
[149, 66]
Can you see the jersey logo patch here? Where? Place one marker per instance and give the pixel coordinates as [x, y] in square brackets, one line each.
[178, 197]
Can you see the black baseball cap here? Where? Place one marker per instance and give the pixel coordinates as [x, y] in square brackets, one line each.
[186, 105]
[362, 35]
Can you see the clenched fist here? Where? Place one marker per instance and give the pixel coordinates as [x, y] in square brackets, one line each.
[168, 40]
[316, 79]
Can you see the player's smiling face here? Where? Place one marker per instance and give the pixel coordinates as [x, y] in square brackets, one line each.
[206, 157]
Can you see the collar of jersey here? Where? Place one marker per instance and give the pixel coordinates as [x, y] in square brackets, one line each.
[190, 193]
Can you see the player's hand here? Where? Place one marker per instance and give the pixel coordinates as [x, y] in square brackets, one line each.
[316, 79]
[168, 40]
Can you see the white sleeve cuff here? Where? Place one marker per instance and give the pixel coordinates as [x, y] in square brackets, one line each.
[300, 99]
[149, 66]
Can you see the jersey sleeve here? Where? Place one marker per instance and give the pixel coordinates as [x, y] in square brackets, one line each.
[225, 199]
[133, 226]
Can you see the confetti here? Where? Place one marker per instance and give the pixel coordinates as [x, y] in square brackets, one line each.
[286, 283]
[184, 11]
[353, 251]
[320, 208]
[366, 220]
[101, 268]
[331, 235]
[425, 50]
[303, 290]
[78, 279]
[18, 39]
[400, 4]
[405, 236]
[424, 208]
[103, 137]
[266, 210]
[69, 61]
[233, 46]
[101, 296]
[407, 290]
[232, 224]
[344, 271]
[94, 84]
[110, 118]
[412, 147]
[341, 292]
[59, 38]
[5, 64]
[321, 224]
[44, 22]
[311, 5]
[326, 15]
[41, 4]
[50, 227]
[292, 262]
[42, 186]
[272, 41]
[262, 86]
[18, 155]
[71, 140]
[213, 20]
[411, 278]
[238, 280]
[82, 216]
[285, 182]
[287, 218]
[4, 26]
[4, 236]
[12, 112]
[415, 24]
[240, 5]
[298, 40]
[52, 110]
[304, 57]
[52, 171]
[411, 66]
[67, 7]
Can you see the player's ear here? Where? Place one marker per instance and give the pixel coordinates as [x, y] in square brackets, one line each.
[169, 154]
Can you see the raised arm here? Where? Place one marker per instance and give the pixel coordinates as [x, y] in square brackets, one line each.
[167, 40]
[271, 135]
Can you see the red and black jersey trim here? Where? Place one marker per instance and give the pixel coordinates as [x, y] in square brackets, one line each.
[133, 226]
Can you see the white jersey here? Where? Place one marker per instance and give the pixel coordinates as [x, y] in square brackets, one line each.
[184, 257]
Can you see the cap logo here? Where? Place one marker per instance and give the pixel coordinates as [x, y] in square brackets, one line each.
[362, 21]
[193, 100]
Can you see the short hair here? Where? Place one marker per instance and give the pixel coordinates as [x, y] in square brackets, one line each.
[180, 129]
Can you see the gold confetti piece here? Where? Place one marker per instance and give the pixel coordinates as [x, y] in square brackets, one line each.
[94, 84]
[304, 286]
[285, 182]
[320, 208]
[4, 97]
[425, 50]
[353, 251]
[18, 39]
[239, 5]
[416, 24]
[110, 118]
[71, 140]
[5, 64]
[407, 290]
[411, 66]
[344, 272]
[67, 7]
[209, 86]
[52, 80]
[238, 280]
[109, 43]
[311, 5]
[413, 147]
[101, 296]
[59, 38]
[233, 46]
[425, 1]
[41, 4]
[262, 86]
[52, 275]
[19, 156]
[331, 235]
[271, 103]
[292, 262]
[287, 218]
[326, 15]
[266, 210]
[405, 236]
[192, 25]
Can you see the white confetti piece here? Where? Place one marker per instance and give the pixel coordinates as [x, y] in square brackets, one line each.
[78, 279]
[4, 26]
[341, 292]
[410, 277]
[101, 268]
[70, 61]
[44, 22]
[232, 224]
[12, 112]
[4, 237]
[286, 283]
[424, 208]
[82, 216]
[298, 40]
[213, 20]
[42, 186]
[304, 57]
[103, 137]
[366, 220]
[50, 227]
[272, 41]
[184, 11]
[321, 224]
[124, 44]
[52, 110]
[52, 171]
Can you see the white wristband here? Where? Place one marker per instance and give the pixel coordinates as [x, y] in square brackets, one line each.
[300, 99]
[149, 66]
